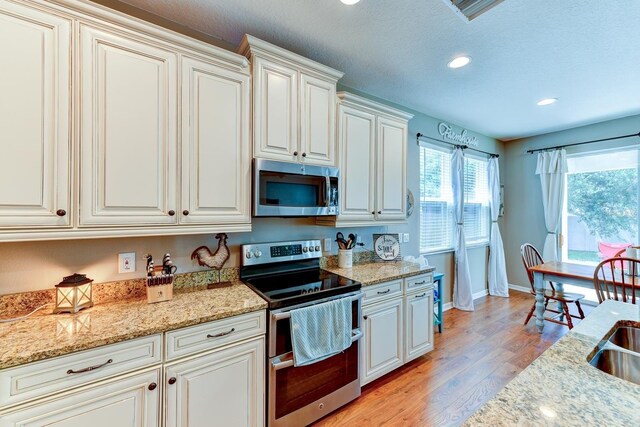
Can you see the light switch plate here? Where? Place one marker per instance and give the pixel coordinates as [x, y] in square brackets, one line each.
[127, 262]
[327, 244]
[406, 237]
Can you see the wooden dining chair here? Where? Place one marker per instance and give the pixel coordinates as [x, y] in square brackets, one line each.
[530, 258]
[617, 279]
[622, 251]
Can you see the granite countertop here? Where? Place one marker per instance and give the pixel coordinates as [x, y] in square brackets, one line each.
[560, 388]
[372, 273]
[45, 335]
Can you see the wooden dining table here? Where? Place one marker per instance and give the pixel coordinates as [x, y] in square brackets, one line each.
[568, 273]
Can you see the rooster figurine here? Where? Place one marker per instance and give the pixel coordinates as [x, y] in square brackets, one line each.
[207, 259]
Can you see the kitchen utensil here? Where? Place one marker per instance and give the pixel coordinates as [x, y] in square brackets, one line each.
[342, 243]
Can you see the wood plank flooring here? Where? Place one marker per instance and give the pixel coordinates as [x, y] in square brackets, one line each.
[477, 354]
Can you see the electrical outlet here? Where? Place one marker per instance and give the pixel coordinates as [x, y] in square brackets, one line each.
[127, 262]
[327, 244]
[406, 237]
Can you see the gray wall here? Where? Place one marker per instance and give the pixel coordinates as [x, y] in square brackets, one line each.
[524, 218]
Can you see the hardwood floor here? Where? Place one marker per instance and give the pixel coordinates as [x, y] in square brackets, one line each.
[477, 354]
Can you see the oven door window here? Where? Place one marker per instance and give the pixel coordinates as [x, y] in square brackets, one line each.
[296, 388]
[283, 189]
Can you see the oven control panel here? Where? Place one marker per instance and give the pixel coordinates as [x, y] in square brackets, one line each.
[265, 253]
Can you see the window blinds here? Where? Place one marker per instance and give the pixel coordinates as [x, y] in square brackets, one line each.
[436, 205]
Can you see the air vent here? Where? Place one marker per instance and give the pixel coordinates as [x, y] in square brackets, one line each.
[471, 9]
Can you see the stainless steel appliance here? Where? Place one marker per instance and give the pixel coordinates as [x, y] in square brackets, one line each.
[288, 276]
[294, 189]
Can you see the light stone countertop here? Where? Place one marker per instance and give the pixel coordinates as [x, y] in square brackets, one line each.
[46, 335]
[560, 388]
[372, 273]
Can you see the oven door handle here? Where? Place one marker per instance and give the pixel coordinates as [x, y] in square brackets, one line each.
[287, 314]
[286, 360]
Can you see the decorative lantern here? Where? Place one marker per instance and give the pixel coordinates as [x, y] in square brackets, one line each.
[73, 294]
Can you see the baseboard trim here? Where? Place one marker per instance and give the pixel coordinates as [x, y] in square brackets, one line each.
[447, 306]
[480, 294]
[520, 288]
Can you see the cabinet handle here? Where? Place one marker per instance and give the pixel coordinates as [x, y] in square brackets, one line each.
[153, 386]
[373, 212]
[185, 212]
[89, 369]
[172, 380]
[61, 212]
[221, 334]
[295, 153]
[304, 154]
[420, 283]
[365, 317]
[384, 292]
[171, 212]
[421, 295]
[379, 212]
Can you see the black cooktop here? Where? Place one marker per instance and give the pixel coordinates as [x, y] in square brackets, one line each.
[291, 288]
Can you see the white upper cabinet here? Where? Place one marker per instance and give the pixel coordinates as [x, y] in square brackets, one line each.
[372, 147]
[128, 138]
[391, 177]
[317, 121]
[216, 157]
[275, 110]
[357, 162]
[293, 105]
[35, 141]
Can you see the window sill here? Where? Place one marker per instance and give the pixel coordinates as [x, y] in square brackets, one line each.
[447, 250]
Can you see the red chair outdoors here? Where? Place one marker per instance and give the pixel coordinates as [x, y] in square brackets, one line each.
[610, 250]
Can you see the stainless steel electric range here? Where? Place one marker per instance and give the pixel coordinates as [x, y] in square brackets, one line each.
[288, 276]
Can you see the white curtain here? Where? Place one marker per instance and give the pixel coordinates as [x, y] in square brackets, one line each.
[462, 294]
[498, 284]
[552, 167]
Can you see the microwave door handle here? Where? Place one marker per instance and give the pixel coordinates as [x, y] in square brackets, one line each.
[327, 191]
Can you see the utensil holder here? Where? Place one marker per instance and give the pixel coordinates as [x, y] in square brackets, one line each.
[159, 286]
[345, 258]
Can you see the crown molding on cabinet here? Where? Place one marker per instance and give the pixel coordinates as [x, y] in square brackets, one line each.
[251, 45]
[350, 99]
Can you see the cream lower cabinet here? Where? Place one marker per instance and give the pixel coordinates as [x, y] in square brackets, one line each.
[383, 339]
[132, 401]
[35, 117]
[418, 323]
[221, 388]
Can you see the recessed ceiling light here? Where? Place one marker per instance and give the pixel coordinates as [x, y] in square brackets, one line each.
[349, 2]
[547, 101]
[459, 61]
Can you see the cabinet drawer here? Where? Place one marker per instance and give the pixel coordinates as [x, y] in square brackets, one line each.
[38, 379]
[418, 282]
[382, 291]
[183, 342]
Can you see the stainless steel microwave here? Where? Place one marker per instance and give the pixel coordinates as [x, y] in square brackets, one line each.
[294, 189]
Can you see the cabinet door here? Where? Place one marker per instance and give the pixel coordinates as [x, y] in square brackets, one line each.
[222, 388]
[128, 121]
[391, 192]
[275, 110]
[35, 66]
[418, 324]
[130, 402]
[216, 158]
[357, 133]
[317, 120]
[383, 339]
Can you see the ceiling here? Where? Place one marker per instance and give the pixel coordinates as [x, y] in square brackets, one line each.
[584, 52]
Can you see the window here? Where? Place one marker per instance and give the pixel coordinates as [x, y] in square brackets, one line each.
[436, 200]
[601, 204]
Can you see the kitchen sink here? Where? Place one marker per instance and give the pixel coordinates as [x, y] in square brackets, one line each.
[627, 337]
[621, 364]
